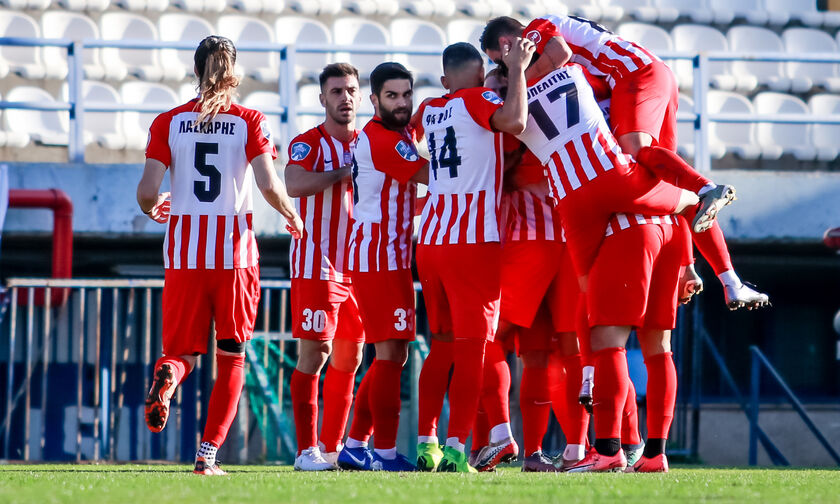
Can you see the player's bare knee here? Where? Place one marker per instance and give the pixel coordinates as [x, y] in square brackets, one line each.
[191, 360]
[313, 355]
[392, 350]
[609, 337]
[654, 341]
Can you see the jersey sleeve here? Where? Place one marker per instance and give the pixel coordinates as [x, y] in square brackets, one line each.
[395, 155]
[303, 151]
[599, 85]
[540, 31]
[259, 138]
[157, 145]
[482, 103]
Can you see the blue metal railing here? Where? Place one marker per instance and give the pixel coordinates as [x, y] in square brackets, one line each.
[287, 85]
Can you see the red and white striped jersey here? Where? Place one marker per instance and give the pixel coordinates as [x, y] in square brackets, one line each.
[595, 47]
[567, 131]
[621, 221]
[530, 209]
[210, 223]
[383, 198]
[321, 251]
[465, 175]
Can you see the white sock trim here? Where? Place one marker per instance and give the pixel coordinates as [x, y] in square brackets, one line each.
[588, 372]
[386, 453]
[208, 452]
[355, 443]
[453, 442]
[729, 277]
[573, 452]
[500, 432]
[427, 439]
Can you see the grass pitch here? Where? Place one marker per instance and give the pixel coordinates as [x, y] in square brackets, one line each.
[140, 484]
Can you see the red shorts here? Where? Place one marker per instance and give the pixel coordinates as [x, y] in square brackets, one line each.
[635, 279]
[646, 101]
[324, 309]
[386, 302]
[193, 298]
[587, 210]
[537, 272]
[461, 288]
[540, 337]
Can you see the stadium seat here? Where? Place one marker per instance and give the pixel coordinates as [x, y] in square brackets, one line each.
[301, 30]
[24, 61]
[824, 136]
[136, 124]
[685, 130]
[725, 11]
[211, 6]
[735, 138]
[806, 75]
[181, 27]
[585, 8]
[42, 126]
[308, 95]
[483, 9]
[26, 4]
[9, 137]
[751, 74]
[695, 38]
[187, 92]
[261, 66]
[643, 10]
[353, 31]
[366, 106]
[411, 33]
[143, 5]
[103, 128]
[262, 99]
[464, 30]
[73, 26]
[783, 11]
[776, 139]
[85, 5]
[316, 7]
[649, 36]
[143, 63]
[373, 7]
[696, 10]
[258, 6]
[423, 92]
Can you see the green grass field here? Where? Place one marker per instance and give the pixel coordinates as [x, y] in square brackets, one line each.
[138, 484]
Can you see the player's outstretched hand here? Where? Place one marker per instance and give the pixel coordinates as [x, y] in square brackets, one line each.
[518, 55]
[160, 212]
[295, 226]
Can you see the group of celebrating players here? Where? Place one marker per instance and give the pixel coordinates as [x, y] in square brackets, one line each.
[558, 219]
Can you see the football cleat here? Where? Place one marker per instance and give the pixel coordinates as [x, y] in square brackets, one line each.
[657, 464]
[355, 459]
[474, 454]
[595, 462]
[691, 284]
[743, 295]
[428, 456]
[400, 463]
[565, 464]
[157, 402]
[585, 395]
[504, 451]
[311, 459]
[454, 461]
[633, 454]
[331, 457]
[205, 469]
[711, 202]
[537, 462]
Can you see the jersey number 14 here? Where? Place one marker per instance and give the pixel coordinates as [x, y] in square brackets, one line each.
[447, 156]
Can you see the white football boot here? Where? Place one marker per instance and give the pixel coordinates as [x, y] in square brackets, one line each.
[742, 295]
[310, 459]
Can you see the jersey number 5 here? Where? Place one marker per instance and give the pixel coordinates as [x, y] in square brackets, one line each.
[448, 156]
[544, 121]
[207, 190]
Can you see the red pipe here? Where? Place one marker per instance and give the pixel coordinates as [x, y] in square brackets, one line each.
[62, 251]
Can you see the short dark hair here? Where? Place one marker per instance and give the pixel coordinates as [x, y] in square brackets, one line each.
[387, 71]
[459, 53]
[337, 70]
[499, 27]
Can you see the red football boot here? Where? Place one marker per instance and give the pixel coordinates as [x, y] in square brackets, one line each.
[657, 464]
[595, 462]
[157, 402]
[504, 451]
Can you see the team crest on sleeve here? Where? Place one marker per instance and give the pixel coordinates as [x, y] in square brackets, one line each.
[491, 97]
[300, 150]
[406, 151]
[534, 36]
[266, 129]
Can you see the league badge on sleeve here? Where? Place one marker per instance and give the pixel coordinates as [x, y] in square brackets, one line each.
[491, 97]
[299, 151]
[266, 129]
[406, 151]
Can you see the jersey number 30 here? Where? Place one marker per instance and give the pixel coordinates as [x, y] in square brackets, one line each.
[545, 121]
[207, 190]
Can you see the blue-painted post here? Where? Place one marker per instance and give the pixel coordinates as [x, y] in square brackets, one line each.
[755, 385]
[702, 157]
[75, 78]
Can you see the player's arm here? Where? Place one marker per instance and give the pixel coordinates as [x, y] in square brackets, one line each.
[422, 175]
[513, 114]
[153, 203]
[274, 192]
[302, 182]
[555, 54]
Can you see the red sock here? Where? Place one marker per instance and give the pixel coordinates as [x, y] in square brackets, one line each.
[465, 388]
[668, 166]
[304, 389]
[557, 381]
[712, 244]
[434, 379]
[338, 397]
[583, 332]
[496, 386]
[180, 368]
[535, 403]
[630, 419]
[481, 430]
[362, 426]
[575, 420]
[610, 392]
[224, 399]
[661, 394]
[385, 401]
